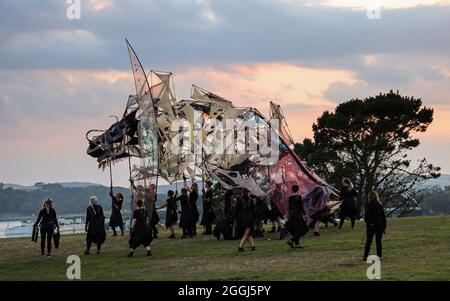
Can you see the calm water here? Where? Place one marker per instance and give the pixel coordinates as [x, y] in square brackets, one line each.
[25, 228]
[68, 225]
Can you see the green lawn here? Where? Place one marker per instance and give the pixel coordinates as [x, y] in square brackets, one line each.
[414, 249]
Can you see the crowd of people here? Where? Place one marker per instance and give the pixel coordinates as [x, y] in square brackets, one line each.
[242, 218]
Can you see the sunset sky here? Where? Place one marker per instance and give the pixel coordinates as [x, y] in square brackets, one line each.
[61, 77]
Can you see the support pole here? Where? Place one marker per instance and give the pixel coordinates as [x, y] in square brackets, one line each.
[131, 188]
[110, 174]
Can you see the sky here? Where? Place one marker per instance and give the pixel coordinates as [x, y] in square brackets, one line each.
[60, 77]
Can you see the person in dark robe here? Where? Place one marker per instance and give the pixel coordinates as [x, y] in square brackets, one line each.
[186, 214]
[275, 214]
[226, 226]
[245, 219]
[262, 214]
[150, 206]
[141, 233]
[193, 197]
[171, 212]
[208, 215]
[95, 226]
[116, 211]
[375, 220]
[348, 207]
[296, 224]
[229, 199]
[47, 223]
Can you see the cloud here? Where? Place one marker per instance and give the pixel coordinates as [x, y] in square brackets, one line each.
[256, 84]
[60, 77]
[99, 5]
[441, 72]
[36, 96]
[45, 114]
[209, 16]
[341, 92]
[181, 32]
[384, 4]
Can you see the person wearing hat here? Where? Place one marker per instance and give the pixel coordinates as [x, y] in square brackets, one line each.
[208, 215]
[95, 225]
[47, 222]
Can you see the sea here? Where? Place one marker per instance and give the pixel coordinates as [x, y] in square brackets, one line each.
[68, 224]
[24, 228]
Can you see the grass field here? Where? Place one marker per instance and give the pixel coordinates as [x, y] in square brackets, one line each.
[414, 249]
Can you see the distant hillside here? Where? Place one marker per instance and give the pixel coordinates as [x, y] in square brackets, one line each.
[64, 184]
[162, 189]
[17, 186]
[68, 199]
[443, 181]
[78, 184]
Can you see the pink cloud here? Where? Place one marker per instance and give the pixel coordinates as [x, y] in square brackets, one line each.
[99, 5]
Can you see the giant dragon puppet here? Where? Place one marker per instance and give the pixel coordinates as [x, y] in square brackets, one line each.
[180, 139]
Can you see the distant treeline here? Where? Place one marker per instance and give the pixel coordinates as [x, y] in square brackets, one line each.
[436, 201]
[67, 200]
[74, 200]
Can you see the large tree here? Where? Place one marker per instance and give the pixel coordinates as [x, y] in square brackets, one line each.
[367, 140]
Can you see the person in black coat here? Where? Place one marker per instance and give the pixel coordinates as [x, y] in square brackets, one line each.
[262, 214]
[141, 233]
[245, 219]
[193, 197]
[171, 212]
[95, 226]
[186, 214]
[275, 214]
[375, 220]
[47, 223]
[229, 201]
[296, 224]
[348, 207]
[116, 219]
[208, 215]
